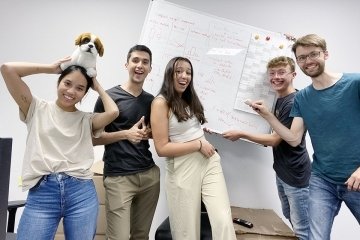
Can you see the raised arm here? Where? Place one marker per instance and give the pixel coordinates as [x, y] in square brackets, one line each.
[135, 134]
[111, 110]
[293, 135]
[272, 139]
[13, 72]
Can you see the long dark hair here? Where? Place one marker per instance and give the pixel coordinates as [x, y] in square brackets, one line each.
[73, 68]
[189, 98]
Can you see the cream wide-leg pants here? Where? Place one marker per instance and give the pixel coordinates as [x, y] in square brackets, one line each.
[190, 179]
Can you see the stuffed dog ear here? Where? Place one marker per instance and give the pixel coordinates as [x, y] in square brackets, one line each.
[99, 46]
[79, 39]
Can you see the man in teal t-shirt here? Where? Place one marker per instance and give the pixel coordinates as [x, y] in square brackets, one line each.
[330, 110]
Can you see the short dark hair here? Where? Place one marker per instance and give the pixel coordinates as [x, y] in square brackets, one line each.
[141, 48]
[74, 68]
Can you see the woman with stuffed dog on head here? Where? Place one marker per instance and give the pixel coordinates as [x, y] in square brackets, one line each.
[59, 151]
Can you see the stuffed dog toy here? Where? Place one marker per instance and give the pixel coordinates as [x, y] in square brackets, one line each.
[88, 47]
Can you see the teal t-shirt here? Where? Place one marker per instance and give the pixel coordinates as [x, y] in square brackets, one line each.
[332, 117]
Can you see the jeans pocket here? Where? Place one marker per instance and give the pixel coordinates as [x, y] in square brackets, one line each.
[81, 180]
[40, 183]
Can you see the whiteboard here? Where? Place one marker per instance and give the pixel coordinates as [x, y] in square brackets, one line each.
[229, 61]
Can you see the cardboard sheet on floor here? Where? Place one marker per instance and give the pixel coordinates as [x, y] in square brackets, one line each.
[267, 225]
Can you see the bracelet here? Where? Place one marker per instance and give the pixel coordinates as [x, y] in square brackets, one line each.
[200, 145]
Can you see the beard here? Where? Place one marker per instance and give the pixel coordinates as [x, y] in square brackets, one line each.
[320, 70]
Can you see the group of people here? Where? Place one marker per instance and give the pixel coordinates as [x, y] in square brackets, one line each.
[59, 150]
[291, 164]
[329, 110]
[311, 193]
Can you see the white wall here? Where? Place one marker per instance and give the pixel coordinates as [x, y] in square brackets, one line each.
[44, 31]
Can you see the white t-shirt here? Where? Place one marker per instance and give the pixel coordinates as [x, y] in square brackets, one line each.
[57, 141]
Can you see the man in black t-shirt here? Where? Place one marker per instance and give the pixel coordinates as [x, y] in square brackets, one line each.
[131, 178]
[291, 164]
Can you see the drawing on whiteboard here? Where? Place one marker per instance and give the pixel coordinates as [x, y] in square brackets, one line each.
[254, 83]
[220, 50]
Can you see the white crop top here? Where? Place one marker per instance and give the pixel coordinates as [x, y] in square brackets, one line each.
[184, 131]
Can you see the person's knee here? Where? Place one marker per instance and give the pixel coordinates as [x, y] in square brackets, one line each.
[221, 219]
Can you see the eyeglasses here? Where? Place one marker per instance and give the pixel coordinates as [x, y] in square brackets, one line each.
[280, 73]
[312, 55]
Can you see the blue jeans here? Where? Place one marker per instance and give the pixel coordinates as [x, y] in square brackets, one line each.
[325, 203]
[59, 196]
[295, 203]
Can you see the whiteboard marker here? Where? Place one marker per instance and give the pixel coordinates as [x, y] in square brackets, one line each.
[214, 131]
[247, 102]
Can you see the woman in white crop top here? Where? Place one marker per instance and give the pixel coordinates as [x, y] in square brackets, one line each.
[59, 151]
[193, 168]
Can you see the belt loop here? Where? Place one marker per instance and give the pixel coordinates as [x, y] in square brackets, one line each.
[44, 177]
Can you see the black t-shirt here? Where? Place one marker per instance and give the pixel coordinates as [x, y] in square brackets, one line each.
[123, 157]
[291, 164]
